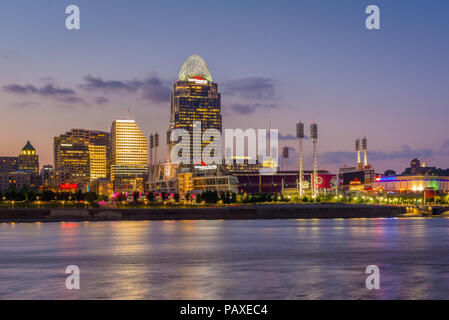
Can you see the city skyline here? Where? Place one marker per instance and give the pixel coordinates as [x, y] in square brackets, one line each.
[400, 105]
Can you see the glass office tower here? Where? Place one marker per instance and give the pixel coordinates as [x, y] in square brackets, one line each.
[76, 149]
[195, 98]
[129, 149]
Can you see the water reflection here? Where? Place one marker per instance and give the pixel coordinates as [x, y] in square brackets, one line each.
[272, 259]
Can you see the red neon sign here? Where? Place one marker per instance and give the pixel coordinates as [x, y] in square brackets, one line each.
[68, 186]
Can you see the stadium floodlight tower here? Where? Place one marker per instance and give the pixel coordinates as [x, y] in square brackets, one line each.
[365, 151]
[156, 146]
[151, 148]
[357, 150]
[314, 136]
[285, 156]
[300, 136]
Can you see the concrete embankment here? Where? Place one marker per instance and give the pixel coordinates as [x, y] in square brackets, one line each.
[283, 211]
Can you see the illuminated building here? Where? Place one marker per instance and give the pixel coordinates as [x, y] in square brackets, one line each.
[196, 179]
[246, 166]
[185, 182]
[417, 178]
[195, 98]
[360, 177]
[351, 177]
[98, 162]
[20, 171]
[28, 160]
[129, 150]
[286, 182]
[102, 187]
[8, 164]
[74, 159]
[411, 184]
[72, 155]
[213, 178]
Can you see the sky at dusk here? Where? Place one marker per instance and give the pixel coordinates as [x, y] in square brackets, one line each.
[275, 62]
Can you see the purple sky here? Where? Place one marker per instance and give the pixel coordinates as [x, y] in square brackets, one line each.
[278, 61]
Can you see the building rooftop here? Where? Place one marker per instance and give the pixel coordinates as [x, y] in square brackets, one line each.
[194, 67]
[28, 146]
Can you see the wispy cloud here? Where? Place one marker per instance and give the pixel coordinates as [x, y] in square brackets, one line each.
[444, 151]
[153, 89]
[249, 108]
[93, 84]
[289, 136]
[101, 100]
[26, 104]
[405, 152]
[59, 94]
[48, 90]
[253, 88]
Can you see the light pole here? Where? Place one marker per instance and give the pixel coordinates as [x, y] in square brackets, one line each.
[300, 136]
[314, 136]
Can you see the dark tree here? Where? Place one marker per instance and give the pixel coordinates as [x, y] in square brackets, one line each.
[150, 196]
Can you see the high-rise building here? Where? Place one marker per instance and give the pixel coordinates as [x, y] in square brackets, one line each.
[28, 160]
[98, 162]
[73, 156]
[129, 150]
[47, 176]
[415, 166]
[195, 98]
[74, 159]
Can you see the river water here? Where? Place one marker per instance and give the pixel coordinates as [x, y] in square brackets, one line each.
[262, 259]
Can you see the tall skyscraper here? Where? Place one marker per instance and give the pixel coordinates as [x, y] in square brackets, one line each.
[28, 160]
[129, 149]
[74, 152]
[195, 98]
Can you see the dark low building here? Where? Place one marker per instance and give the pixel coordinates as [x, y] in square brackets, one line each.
[8, 164]
[418, 168]
[19, 179]
[390, 173]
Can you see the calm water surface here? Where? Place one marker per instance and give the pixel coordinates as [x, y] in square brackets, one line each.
[265, 259]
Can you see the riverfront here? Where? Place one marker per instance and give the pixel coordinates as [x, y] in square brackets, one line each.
[254, 212]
